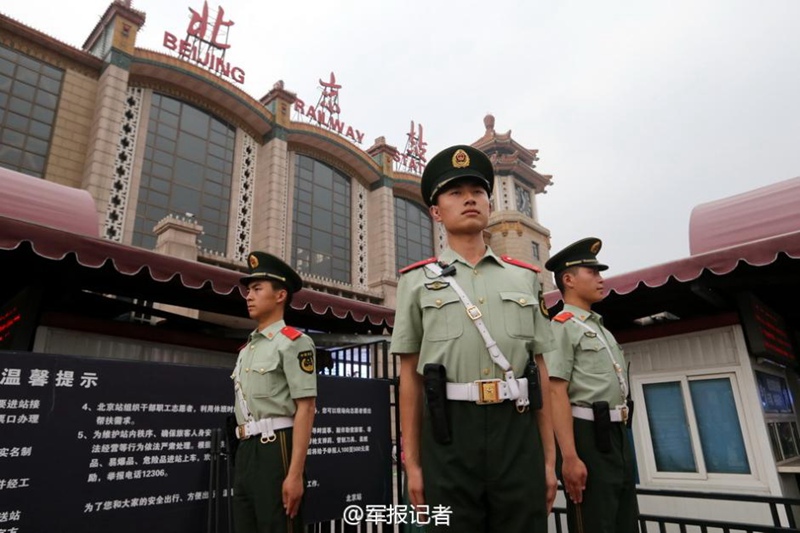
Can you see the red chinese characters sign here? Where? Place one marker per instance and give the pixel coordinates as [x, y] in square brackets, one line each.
[413, 158]
[206, 42]
[198, 27]
[326, 112]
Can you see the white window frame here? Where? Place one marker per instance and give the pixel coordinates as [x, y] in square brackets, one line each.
[702, 475]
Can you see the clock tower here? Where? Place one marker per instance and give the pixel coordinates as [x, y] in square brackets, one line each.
[514, 227]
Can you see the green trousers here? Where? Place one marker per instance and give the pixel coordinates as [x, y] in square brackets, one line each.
[491, 477]
[609, 501]
[258, 485]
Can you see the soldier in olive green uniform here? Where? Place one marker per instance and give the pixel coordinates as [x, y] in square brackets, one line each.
[588, 382]
[473, 444]
[275, 387]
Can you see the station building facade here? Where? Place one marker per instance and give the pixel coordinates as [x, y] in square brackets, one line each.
[180, 160]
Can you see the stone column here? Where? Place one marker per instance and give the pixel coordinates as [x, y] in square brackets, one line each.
[121, 23]
[381, 229]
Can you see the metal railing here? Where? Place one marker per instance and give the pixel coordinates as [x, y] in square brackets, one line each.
[373, 360]
[781, 511]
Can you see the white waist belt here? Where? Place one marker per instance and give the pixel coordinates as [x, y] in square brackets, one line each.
[266, 427]
[618, 413]
[484, 391]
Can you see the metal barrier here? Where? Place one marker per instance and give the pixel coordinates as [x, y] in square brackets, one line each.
[369, 361]
[373, 361]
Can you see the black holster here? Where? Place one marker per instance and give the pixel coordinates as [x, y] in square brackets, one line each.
[435, 379]
[231, 440]
[602, 426]
[534, 384]
[629, 402]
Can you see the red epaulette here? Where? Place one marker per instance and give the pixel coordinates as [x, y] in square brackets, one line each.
[563, 316]
[418, 264]
[292, 333]
[519, 263]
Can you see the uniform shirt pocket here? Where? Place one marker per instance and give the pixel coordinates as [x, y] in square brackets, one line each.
[266, 376]
[592, 356]
[442, 316]
[518, 313]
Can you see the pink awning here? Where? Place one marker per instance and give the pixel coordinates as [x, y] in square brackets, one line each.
[752, 216]
[127, 270]
[757, 253]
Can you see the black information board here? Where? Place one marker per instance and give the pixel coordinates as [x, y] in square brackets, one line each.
[107, 445]
[765, 330]
[350, 457]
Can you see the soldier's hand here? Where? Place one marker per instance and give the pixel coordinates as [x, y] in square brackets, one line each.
[416, 493]
[292, 493]
[551, 486]
[574, 474]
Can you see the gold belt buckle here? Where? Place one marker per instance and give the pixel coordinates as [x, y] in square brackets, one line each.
[624, 413]
[488, 391]
[473, 312]
[240, 432]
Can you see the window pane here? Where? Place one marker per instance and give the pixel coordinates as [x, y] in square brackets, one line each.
[718, 425]
[669, 427]
[413, 233]
[180, 178]
[316, 214]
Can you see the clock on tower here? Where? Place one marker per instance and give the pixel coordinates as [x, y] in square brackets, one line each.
[523, 200]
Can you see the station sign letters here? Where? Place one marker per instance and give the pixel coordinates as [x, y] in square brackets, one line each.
[205, 43]
[326, 112]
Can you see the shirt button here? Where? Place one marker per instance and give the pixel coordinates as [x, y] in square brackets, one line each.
[480, 300]
[522, 301]
[438, 303]
[485, 371]
[252, 346]
[261, 370]
[475, 271]
[247, 370]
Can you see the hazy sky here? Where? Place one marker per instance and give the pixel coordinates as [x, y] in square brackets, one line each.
[640, 110]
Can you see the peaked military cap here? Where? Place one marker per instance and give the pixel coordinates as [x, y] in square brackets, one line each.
[456, 162]
[266, 266]
[580, 253]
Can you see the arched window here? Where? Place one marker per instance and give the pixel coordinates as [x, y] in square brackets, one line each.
[321, 220]
[188, 163]
[413, 232]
